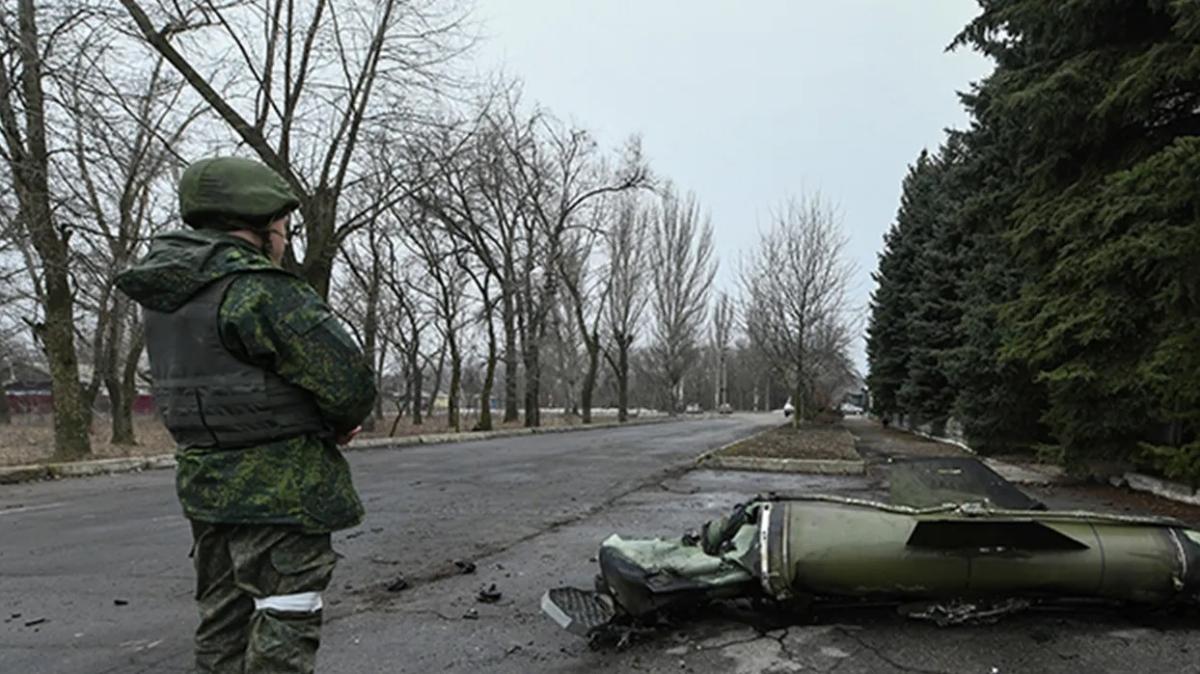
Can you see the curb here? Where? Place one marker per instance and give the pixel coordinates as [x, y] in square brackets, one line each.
[1018, 474]
[770, 465]
[15, 474]
[29, 473]
[811, 466]
[1162, 488]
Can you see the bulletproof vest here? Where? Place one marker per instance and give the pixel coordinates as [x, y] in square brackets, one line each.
[209, 398]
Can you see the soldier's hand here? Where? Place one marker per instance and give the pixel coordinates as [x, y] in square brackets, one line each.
[345, 438]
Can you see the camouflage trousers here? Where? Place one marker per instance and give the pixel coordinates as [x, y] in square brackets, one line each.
[258, 587]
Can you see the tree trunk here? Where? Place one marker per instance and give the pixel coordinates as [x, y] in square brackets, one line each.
[512, 410]
[416, 381]
[437, 383]
[122, 421]
[489, 380]
[5, 412]
[371, 336]
[31, 180]
[533, 386]
[589, 378]
[533, 416]
[798, 404]
[452, 417]
[320, 217]
[622, 379]
[378, 415]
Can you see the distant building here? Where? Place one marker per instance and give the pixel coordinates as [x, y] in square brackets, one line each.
[28, 390]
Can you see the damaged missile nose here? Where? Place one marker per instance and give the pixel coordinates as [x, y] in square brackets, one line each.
[578, 611]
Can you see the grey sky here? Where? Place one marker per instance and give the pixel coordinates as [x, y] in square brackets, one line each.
[750, 101]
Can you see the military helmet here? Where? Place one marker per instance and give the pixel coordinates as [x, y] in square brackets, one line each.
[233, 193]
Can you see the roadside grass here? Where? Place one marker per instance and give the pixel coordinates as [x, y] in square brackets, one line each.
[816, 441]
[30, 439]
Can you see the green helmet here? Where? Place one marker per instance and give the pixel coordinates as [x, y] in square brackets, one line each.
[233, 193]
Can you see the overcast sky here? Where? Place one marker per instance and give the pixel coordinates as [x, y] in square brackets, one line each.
[749, 101]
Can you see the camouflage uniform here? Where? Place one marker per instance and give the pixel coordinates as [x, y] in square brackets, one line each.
[261, 513]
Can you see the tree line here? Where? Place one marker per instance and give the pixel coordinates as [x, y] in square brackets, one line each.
[1039, 288]
[478, 247]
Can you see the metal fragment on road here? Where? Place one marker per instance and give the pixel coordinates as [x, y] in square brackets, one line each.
[577, 611]
[488, 595]
[962, 612]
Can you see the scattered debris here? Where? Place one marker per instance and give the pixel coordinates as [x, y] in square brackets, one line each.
[35, 621]
[120, 602]
[488, 595]
[960, 612]
[400, 583]
[465, 567]
[471, 614]
[512, 649]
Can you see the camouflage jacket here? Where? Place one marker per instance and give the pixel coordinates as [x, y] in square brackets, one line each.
[271, 319]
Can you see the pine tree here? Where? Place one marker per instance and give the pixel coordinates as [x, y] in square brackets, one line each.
[1094, 107]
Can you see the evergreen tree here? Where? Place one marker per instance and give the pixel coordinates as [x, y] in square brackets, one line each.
[1094, 107]
[889, 345]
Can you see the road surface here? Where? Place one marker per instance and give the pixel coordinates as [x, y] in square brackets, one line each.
[529, 512]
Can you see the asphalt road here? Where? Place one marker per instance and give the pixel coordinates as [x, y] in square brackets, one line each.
[530, 512]
[95, 575]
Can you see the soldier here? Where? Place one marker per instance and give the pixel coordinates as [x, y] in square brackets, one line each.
[257, 383]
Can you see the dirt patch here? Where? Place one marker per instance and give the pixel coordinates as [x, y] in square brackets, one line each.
[825, 442]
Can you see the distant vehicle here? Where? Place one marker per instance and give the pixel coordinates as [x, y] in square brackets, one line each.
[725, 408]
[693, 408]
[851, 408]
[788, 408]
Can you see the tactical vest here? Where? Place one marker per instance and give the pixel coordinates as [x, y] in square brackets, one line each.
[207, 397]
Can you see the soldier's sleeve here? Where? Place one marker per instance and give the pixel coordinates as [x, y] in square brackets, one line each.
[280, 323]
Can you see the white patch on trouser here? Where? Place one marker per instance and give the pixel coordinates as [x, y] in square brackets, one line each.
[301, 602]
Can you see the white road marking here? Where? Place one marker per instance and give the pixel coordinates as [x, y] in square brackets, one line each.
[25, 509]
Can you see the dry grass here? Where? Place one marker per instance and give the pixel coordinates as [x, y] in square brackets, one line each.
[30, 440]
[806, 442]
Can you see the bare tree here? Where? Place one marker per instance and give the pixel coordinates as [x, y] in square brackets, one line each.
[682, 269]
[23, 120]
[314, 78]
[722, 327]
[626, 244]
[587, 296]
[464, 187]
[794, 287]
[122, 134]
[557, 173]
[444, 269]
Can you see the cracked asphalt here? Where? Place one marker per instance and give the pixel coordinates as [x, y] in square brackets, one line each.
[529, 512]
